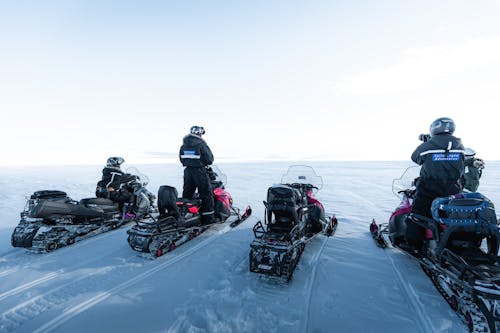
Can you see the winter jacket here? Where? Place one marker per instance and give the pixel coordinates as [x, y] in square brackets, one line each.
[195, 152]
[111, 177]
[442, 160]
[472, 172]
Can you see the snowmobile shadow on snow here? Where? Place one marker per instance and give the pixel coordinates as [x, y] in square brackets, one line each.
[460, 251]
[180, 220]
[51, 219]
[293, 216]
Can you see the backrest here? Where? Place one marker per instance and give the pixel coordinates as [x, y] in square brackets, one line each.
[167, 201]
[282, 203]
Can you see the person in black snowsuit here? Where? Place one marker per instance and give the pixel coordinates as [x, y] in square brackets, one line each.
[111, 184]
[441, 156]
[196, 156]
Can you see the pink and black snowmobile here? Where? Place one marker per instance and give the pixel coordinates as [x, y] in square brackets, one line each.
[180, 220]
[460, 252]
[293, 216]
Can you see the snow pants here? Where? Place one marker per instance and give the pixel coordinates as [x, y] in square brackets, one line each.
[197, 178]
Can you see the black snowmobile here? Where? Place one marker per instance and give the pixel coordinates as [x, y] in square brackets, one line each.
[293, 216]
[460, 251]
[51, 219]
[179, 219]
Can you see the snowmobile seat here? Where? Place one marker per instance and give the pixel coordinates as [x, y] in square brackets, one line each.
[100, 204]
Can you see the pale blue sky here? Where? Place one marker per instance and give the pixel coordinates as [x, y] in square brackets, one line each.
[348, 80]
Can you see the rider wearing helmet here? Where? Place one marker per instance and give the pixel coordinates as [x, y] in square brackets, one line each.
[195, 156]
[110, 186]
[441, 156]
[473, 170]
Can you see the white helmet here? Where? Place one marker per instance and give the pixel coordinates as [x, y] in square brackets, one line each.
[197, 130]
[469, 152]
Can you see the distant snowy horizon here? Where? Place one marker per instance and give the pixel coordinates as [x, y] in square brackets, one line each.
[175, 160]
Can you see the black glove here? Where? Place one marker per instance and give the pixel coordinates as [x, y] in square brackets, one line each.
[424, 137]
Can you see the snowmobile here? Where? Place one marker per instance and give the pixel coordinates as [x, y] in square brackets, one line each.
[51, 219]
[460, 251]
[293, 216]
[179, 219]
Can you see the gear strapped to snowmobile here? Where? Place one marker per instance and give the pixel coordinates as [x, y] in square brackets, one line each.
[180, 219]
[51, 219]
[460, 252]
[293, 216]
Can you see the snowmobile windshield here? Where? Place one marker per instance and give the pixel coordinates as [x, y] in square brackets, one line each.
[142, 178]
[406, 180]
[216, 175]
[302, 174]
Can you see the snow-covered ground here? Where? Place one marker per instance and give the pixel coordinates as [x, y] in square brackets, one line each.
[342, 284]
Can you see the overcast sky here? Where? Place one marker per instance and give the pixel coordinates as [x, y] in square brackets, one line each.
[344, 80]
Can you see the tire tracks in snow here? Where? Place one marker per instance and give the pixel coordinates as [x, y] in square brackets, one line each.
[423, 322]
[44, 259]
[310, 284]
[68, 287]
[29, 285]
[24, 259]
[88, 303]
[25, 311]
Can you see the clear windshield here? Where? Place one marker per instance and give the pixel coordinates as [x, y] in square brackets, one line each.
[219, 176]
[142, 177]
[406, 180]
[302, 174]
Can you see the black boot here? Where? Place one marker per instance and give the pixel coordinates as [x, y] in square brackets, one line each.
[207, 218]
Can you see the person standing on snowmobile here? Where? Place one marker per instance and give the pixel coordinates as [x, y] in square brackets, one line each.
[196, 156]
[441, 156]
[473, 170]
[110, 186]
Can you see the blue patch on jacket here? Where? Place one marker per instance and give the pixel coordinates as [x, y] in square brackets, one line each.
[442, 157]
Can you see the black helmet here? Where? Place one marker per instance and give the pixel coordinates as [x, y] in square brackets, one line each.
[197, 130]
[442, 125]
[114, 162]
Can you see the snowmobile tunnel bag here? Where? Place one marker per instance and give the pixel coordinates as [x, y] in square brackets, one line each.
[48, 209]
[470, 209]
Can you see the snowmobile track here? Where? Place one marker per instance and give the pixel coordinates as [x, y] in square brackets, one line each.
[84, 305]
